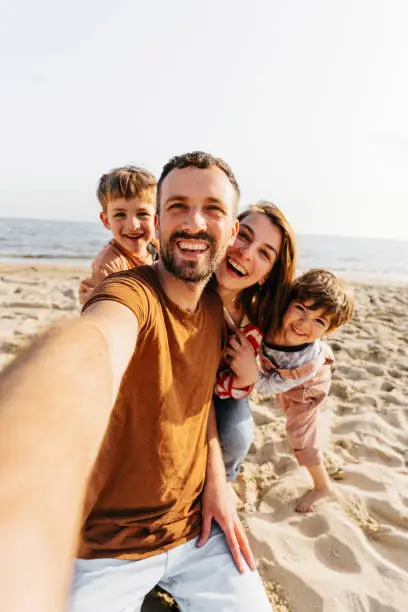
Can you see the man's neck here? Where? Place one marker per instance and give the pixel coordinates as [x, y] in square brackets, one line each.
[184, 294]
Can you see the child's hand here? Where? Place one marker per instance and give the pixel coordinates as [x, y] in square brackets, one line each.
[265, 363]
[241, 357]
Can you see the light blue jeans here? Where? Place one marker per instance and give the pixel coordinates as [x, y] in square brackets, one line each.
[236, 431]
[200, 579]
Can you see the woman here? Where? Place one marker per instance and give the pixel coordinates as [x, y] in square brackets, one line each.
[252, 281]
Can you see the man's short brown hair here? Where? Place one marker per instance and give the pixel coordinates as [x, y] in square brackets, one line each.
[127, 182]
[334, 295]
[198, 159]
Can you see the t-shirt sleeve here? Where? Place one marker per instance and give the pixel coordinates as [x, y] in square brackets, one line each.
[128, 291]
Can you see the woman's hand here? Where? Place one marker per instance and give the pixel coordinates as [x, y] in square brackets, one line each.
[241, 357]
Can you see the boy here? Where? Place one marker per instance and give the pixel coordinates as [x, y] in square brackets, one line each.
[128, 199]
[296, 365]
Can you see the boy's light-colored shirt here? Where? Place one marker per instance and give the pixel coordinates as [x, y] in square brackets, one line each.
[113, 258]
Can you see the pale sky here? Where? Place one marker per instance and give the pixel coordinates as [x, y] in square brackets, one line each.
[307, 100]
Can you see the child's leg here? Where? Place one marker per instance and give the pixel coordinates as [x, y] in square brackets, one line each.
[301, 429]
[236, 431]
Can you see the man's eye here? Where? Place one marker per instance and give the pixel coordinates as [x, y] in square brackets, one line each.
[215, 208]
[299, 307]
[176, 205]
[116, 215]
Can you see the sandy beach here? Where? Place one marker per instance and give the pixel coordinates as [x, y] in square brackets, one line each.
[352, 553]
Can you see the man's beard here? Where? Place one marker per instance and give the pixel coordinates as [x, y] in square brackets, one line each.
[191, 271]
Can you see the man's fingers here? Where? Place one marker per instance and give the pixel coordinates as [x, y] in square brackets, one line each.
[205, 529]
[235, 549]
[244, 545]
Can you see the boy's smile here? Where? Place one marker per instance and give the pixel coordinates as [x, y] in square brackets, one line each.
[301, 324]
[131, 223]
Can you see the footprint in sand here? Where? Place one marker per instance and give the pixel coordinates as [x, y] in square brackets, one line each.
[352, 373]
[393, 547]
[397, 516]
[314, 526]
[336, 556]
[387, 386]
[376, 370]
[395, 373]
[340, 390]
[378, 606]
[364, 400]
[362, 482]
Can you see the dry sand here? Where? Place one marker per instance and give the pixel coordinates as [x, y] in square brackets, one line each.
[352, 553]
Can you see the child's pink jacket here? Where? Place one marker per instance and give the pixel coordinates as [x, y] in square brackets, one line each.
[301, 404]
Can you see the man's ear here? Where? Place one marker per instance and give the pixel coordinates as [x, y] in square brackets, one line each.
[234, 232]
[104, 218]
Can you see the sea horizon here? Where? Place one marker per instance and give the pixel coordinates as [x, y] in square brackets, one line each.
[58, 241]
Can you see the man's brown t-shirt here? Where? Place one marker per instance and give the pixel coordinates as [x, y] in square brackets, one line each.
[144, 494]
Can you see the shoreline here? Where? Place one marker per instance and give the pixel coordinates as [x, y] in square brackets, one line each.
[71, 266]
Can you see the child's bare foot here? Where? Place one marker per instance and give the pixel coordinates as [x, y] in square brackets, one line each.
[312, 499]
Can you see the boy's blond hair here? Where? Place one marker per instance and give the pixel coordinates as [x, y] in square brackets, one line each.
[334, 295]
[127, 182]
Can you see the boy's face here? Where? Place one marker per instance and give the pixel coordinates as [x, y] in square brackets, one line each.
[131, 223]
[301, 324]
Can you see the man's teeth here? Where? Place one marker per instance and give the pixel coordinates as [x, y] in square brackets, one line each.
[192, 246]
[238, 268]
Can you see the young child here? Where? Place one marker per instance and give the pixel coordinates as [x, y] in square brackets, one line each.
[128, 199]
[296, 365]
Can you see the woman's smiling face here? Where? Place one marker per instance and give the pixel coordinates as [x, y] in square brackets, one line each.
[252, 256]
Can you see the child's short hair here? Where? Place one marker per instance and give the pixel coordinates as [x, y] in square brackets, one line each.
[127, 182]
[326, 291]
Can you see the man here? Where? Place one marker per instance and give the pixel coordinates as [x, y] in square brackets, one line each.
[150, 338]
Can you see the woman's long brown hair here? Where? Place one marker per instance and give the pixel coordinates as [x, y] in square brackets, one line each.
[264, 304]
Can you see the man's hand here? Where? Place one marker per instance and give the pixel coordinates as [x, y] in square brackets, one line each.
[242, 360]
[218, 504]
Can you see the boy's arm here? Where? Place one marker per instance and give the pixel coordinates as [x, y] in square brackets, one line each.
[106, 263]
[56, 400]
[268, 384]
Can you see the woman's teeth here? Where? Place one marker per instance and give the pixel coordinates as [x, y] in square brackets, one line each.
[241, 271]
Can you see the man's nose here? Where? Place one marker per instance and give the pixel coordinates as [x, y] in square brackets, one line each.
[195, 221]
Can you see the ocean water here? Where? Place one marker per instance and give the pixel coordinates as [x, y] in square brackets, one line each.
[79, 242]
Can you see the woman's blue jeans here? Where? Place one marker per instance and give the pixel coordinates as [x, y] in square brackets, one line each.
[236, 431]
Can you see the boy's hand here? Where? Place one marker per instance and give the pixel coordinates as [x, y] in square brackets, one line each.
[241, 357]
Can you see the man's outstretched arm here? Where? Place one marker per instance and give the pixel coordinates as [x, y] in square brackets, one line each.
[55, 403]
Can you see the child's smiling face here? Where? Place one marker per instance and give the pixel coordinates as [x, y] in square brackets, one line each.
[131, 223]
[301, 324]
